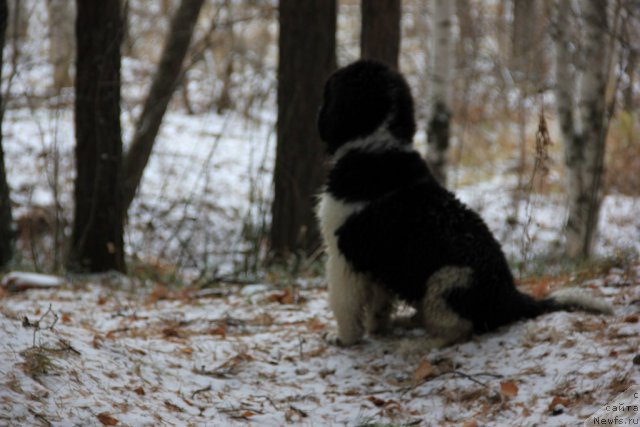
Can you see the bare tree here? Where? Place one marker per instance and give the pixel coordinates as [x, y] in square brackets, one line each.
[582, 116]
[61, 18]
[165, 81]
[97, 233]
[6, 232]
[306, 58]
[380, 35]
[441, 82]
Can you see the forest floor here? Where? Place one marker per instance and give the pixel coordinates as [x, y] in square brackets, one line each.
[109, 350]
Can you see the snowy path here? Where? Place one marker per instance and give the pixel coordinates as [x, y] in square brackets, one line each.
[255, 355]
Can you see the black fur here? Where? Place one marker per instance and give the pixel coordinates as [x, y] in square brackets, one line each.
[358, 98]
[411, 226]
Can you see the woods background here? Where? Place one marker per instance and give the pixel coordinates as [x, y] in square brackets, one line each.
[215, 170]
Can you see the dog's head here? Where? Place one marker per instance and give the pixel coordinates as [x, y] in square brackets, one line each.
[362, 97]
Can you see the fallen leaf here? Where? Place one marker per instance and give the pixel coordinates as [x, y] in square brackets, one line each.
[186, 350]
[107, 419]
[425, 370]
[65, 318]
[158, 293]
[631, 319]
[218, 330]
[173, 407]
[247, 414]
[315, 325]
[376, 401]
[508, 389]
[470, 423]
[558, 400]
[541, 289]
[139, 391]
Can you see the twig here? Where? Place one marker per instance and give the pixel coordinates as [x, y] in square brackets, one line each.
[201, 390]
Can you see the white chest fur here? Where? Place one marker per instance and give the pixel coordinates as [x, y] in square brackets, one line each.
[332, 213]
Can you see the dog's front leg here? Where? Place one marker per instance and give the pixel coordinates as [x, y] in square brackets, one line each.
[347, 299]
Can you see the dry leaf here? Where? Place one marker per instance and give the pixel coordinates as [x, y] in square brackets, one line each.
[247, 414]
[107, 419]
[218, 330]
[508, 389]
[65, 318]
[159, 293]
[470, 423]
[376, 401]
[315, 325]
[558, 400]
[541, 289]
[186, 350]
[425, 370]
[173, 407]
[631, 319]
[139, 391]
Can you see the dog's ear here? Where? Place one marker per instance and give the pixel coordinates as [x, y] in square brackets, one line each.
[359, 98]
[356, 102]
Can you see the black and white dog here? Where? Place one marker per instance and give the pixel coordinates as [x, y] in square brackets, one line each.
[392, 232]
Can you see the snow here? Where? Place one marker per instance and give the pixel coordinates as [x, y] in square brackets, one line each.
[149, 356]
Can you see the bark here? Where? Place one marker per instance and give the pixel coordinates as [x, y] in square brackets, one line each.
[306, 58]
[585, 137]
[6, 232]
[61, 42]
[164, 84]
[97, 233]
[527, 52]
[380, 33]
[441, 81]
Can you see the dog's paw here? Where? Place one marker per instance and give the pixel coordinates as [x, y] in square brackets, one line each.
[332, 338]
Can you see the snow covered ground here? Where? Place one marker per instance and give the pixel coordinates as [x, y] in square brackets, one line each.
[110, 351]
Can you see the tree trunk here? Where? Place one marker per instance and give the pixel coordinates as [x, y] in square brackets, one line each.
[527, 51]
[584, 138]
[97, 234]
[6, 232]
[441, 79]
[61, 43]
[162, 88]
[380, 35]
[306, 58]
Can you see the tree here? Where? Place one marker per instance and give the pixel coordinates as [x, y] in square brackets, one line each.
[97, 234]
[584, 139]
[306, 58]
[165, 81]
[60, 41]
[380, 35]
[441, 82]
[6, 232]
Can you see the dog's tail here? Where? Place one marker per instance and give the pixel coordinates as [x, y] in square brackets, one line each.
[571, 299]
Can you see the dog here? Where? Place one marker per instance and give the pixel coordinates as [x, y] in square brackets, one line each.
[392, 232]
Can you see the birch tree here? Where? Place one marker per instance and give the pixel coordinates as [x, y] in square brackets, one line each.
[581, 113]
[61, 17]
[441, 81]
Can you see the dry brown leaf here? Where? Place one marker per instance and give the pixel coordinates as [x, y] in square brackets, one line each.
[65, 318]
[541, 289]
[247, 414]
[425, 370]
[631, 319]
[315, 325]
[508, 389]
[158, 293]
[218, 330]
[470, 423]
[558, 400]
[139, 391]
[172, 407]
[186, 350]
[376, 401]
[107, 419]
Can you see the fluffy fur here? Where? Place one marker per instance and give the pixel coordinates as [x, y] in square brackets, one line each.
[392, 232]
